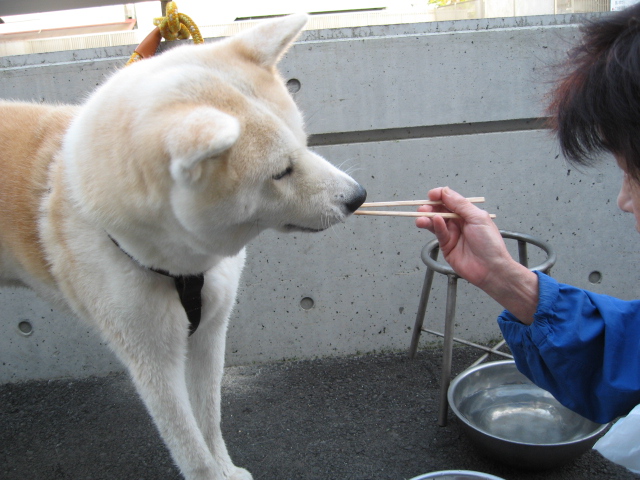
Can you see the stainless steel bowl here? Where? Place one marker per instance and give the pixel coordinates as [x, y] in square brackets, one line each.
[516, 422]
[457, 475]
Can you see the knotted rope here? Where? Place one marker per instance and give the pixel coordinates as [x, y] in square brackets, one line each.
[174, 26]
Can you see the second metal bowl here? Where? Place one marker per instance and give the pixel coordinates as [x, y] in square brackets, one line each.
[457, 475]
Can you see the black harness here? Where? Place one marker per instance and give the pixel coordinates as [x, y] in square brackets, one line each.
[189, 289]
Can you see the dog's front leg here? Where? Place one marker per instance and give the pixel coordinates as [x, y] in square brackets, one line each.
[155, 358]
[140, 315]
[205, 357]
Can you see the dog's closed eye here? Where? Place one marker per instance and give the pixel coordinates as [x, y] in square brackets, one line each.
[283, 173]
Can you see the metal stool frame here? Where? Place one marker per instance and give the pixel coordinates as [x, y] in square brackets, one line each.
[429, 256]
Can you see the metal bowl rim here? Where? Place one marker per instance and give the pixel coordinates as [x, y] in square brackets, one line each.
[484, 476]
[459, 414]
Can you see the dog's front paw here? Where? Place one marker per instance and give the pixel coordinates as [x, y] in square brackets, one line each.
[240, 474]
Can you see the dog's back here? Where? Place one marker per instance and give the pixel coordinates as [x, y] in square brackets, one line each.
[30, 136]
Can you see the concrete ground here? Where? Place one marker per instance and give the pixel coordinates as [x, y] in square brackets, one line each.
[368, 417]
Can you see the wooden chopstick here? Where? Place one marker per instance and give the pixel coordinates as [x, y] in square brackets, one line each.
[406, 203]
[402, 203]
[411, 214]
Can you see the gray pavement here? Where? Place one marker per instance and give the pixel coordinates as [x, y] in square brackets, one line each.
[366, 417]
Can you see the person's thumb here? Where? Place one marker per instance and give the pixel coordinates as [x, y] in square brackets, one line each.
[460, 205]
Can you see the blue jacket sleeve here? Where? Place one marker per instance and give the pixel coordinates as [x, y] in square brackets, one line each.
[582, 347]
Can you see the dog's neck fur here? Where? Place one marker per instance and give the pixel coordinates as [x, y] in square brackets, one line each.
[189, 288]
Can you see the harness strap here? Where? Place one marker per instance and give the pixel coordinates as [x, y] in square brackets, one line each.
[190, 291]
[189, 288]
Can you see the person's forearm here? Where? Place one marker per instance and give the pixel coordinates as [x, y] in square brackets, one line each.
[516, 289]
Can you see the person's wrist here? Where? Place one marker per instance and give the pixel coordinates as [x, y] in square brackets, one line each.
[514, 287]
[500, 274]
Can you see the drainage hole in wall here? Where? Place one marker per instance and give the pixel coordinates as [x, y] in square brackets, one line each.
[25, 328]
[307, 303]
[293, 85]
[595, 277]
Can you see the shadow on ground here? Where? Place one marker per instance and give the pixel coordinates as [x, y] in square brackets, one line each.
[357, 418]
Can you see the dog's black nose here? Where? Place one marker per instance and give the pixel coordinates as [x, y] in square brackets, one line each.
[358, 198]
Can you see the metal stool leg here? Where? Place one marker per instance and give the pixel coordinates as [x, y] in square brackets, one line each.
[447, 348]
[523, 257]
[422, 306]
[429, 255]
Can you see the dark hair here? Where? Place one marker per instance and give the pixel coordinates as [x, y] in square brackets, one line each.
[595, 106]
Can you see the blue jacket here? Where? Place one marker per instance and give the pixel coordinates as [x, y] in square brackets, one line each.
[582, 347]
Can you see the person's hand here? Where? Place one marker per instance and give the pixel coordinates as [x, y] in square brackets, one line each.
[474, 248]
[472, 245]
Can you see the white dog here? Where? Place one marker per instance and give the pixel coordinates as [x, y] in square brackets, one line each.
[122, 208]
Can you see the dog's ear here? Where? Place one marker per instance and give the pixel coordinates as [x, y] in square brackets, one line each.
[200, 134]
[267, 42]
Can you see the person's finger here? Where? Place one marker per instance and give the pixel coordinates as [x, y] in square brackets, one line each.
[461, 206]
[425, 208]
[447, 233]
[435, 194]
[440, 230]
[424, 222]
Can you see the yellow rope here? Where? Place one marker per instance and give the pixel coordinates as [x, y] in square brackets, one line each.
[135, 56]
[175, 26]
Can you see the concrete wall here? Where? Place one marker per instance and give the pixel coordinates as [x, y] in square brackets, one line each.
[404, 108]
